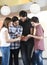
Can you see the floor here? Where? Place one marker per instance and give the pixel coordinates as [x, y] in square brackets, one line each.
[21, 62]
[44, 62]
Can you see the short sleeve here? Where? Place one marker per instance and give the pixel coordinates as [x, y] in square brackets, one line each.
[39, 31]
[4, 29]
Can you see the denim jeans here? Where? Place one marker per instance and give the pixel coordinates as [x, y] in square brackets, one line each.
[5, 55]
[37, 58]
[26, 50]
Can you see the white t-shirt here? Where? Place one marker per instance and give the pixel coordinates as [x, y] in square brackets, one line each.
[2, 38]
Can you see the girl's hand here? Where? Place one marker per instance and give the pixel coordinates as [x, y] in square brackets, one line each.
[24, 38]
[29, 35]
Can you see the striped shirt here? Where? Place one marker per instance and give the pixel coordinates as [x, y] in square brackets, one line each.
[14, 32]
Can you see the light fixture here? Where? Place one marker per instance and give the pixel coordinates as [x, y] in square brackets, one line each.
[5, 10]
[35, 8]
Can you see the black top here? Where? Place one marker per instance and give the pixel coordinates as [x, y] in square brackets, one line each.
[26, 28]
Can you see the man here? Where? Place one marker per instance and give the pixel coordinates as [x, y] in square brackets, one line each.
[15, 31]
[26, 44]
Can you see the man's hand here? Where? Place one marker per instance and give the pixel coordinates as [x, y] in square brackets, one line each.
[18, 39]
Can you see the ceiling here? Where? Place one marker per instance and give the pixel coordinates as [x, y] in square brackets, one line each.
[18, 5]
[13, 2]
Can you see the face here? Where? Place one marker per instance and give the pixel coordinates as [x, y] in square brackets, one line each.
[10, 24]
[16, 23]
[23, 18]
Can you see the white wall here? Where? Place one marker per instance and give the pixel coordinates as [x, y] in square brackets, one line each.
[42, 3]
[46, 2]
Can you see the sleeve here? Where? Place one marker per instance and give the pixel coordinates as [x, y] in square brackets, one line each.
[4, 29]
[40, 31]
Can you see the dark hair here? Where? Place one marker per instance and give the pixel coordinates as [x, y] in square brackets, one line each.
[7, 20]
[23, 13]
[35, 19]
[14, 18]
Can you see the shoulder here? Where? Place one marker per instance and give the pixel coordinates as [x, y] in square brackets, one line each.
[20, 27]
[28, 19]
[11, 27]
[40, 30]
[4, 29]
[40, 27]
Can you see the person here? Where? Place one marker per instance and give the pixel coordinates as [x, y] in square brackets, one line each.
[26, 44]
[15, 30]
[38, 41]
[6, 40]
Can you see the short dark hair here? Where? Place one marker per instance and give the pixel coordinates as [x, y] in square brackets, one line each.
[35, 19]
[14, 18]
[7, 20]
[23, 13]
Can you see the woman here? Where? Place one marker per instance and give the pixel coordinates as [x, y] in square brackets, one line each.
[38, 41]
[5, 41]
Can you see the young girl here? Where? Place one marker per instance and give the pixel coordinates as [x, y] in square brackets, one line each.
[38, 41]
[5, 41]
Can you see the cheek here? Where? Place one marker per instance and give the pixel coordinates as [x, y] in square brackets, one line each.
[15, 24]
[9, 24]
[22, 19]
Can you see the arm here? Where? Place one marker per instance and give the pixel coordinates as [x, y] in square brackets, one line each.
[36, 37]
[33, 31]
[10, 40]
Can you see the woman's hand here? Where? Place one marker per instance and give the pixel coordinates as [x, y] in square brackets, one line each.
[24, 38]
[29, 35]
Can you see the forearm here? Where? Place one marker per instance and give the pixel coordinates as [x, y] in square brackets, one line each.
[37, 37]
[12, 40]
